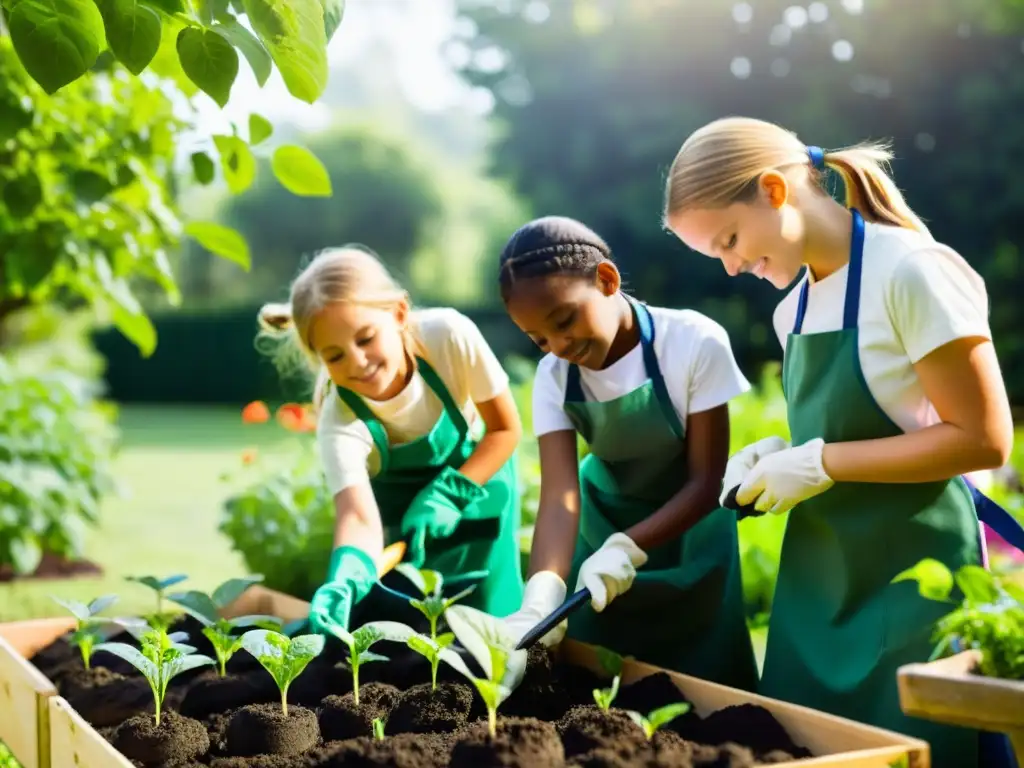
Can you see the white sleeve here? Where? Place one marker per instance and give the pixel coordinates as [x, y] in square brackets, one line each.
[344, 447]
[484, 376]
[548, 397]
[715, 377]
[935, 297]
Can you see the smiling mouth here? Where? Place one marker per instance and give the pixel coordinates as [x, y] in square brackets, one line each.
[368, 375]
[758, 269]
[580, 353]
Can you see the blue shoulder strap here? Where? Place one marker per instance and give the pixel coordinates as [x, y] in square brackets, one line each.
[997, 518]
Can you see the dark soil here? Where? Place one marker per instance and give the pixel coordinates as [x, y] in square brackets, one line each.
[175, 740]
[550, 720]
[52, 566]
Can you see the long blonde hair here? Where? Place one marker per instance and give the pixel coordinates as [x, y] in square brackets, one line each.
[350, 274]
[721, 163]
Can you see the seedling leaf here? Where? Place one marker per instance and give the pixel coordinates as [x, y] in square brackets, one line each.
[359, 643]
[197, 604]
[977, 584]
[283, 657]
[79, 610]
[232, 589]
[659, 717]
[934, 579]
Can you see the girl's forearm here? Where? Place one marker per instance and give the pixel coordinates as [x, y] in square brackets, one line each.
[692, 503]
[554, 538]
[938, 452]
[357, 521]
[490, 455]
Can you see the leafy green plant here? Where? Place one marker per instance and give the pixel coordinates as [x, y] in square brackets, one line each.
[159, 658]
[206, 609]
[988, 615]
[283, 657]
[611, 662]
[282, 524]
[494, 649]
[378, 729]
[159, 586]
[89, 627]
[360, 641]
[56, 448]
[430, 584]
[431, 649]
[659, 717]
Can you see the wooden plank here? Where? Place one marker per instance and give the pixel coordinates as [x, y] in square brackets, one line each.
[835, 741]
[73, 742]
[24, 690]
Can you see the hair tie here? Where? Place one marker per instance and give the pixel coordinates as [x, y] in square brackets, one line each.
[817, 155]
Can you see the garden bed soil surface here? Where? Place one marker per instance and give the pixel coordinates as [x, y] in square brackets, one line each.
[550, 721]
[52, 566]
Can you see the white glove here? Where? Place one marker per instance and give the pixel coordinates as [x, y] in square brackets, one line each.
[610, 571]
[783, 479]
[743, 461]
[544, 592]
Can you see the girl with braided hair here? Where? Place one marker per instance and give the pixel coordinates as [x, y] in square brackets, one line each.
[647, 388]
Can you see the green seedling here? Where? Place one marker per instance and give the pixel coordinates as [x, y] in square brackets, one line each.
[159, 586]
[89, 627]
[431, 649]
[378, 729]
[494, 649]
[159, 658]
[430, 584]
[359, 643]
[658, 718]
[283, 657]
[611, 662]
[206, 609]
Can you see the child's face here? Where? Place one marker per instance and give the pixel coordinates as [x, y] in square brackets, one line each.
[763, 237]
[362, 348]
[575, 318]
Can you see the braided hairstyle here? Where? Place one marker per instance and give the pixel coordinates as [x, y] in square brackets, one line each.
[551, 245]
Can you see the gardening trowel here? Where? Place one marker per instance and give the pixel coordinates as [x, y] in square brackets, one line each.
[578, 599]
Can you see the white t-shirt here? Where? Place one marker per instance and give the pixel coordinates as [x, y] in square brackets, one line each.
[694, 355]
[915, 295]
[457, 352]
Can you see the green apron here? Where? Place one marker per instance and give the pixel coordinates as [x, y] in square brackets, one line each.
[684, 611]
[838, 628]
[486, 538]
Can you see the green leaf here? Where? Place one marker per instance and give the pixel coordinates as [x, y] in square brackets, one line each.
[57, 41]
[23, 195]
[135, 325]
[250, 46]
[26, 554]
[210, 11]
[197, 604]
[260, 129]
[237, 162]
[293, 31]
[79, 610]
[300, 172]
[935, 581]
[169, 7]
[101, 603]
[977, 584]
[14, 117]
[209, 61]
[133, 32]
[610, 661]
[132, 655]
[333, 10]
[90, 186]
[232, 589]
[202, 167]
[666, 714]
[221, 240]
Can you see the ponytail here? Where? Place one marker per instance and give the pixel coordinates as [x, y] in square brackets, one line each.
[869, 187]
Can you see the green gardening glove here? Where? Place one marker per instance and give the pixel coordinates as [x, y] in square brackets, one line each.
[350, 577]
[436, 511]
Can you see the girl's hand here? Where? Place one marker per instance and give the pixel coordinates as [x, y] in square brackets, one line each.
[783, 479]
[743, 461]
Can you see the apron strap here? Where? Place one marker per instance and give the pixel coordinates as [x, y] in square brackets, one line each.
[997, 518]
[376, 429]
[851, 304]
[574, 389]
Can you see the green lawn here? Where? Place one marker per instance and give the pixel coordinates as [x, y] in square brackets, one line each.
[171, 464]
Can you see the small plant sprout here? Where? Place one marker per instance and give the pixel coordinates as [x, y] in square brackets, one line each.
[206, 610]
[159, 658]
[494, 649]
[378, 729]
[431, 649]
[430, 584]
[283, 657]
[611, 662]
[359, 643]
[88, 630]
[159, 586]
[659, 717]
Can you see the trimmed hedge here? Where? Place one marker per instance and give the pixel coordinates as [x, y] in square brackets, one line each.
[211, 358]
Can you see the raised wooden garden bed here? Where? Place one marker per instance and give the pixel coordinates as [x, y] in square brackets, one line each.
[552, 708]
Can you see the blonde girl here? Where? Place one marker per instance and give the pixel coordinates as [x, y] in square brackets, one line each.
[893, 392]
[417, 431]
